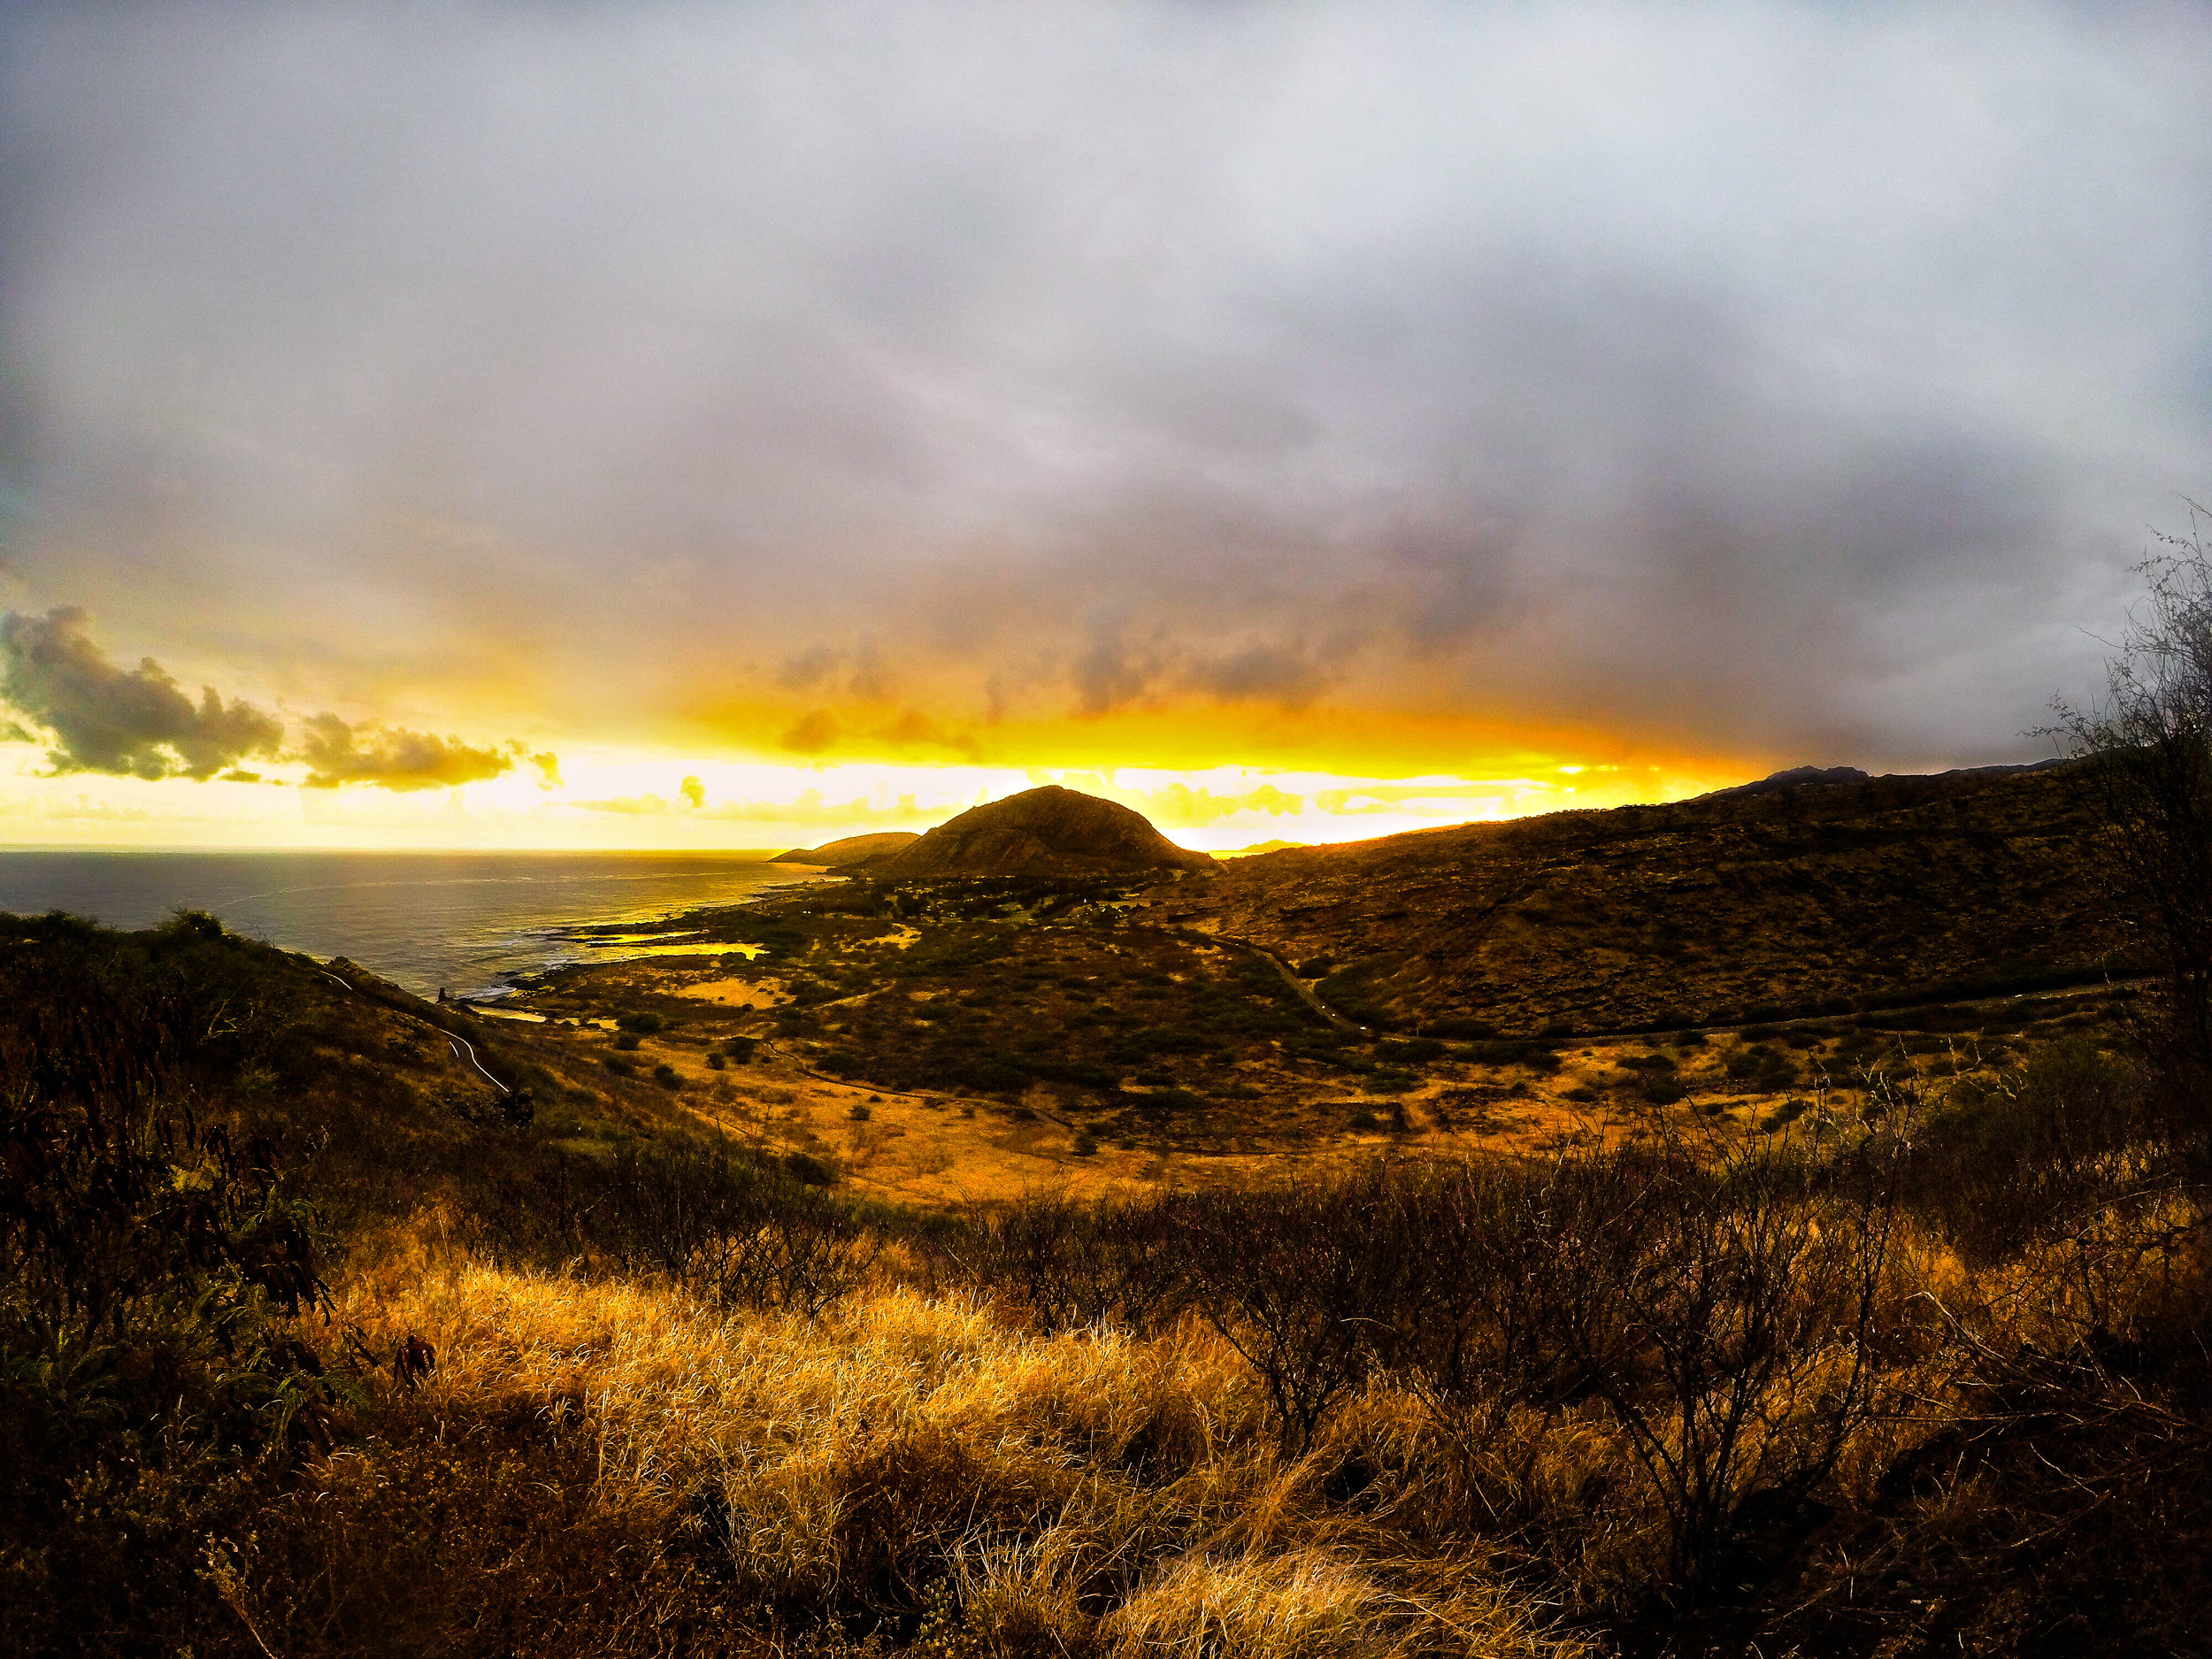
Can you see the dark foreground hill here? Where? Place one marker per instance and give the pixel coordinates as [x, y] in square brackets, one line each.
[851, 851]
[333, 1322]
[1803, 899]
[1050, 832]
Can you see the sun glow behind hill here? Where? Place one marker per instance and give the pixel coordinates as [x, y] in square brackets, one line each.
[613, 800]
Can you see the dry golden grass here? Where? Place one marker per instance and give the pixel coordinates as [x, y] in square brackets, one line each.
[732, 992]
[916, 1149]
[721, 1477]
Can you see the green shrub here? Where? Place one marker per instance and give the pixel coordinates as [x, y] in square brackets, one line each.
[667, 1076]
[1761, 1066]
[1788, 1112]
[992, 1074]
[1456, 1027]
[644, 1024]
[1418, 1051]
[1498, 1051]
[627, 1043]
[1080, 1073]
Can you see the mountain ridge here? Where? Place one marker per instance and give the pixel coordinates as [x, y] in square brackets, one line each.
[1814, 777]
[1733, 907]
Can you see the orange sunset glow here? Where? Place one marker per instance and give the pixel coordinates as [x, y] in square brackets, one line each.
[1105, 829]
[410, 444]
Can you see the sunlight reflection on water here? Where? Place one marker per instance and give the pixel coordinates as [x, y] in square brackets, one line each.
[462, 922]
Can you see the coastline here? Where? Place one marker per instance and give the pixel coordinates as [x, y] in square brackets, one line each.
[428, 921]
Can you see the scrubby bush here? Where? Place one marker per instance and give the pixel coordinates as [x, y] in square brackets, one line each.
[1761, 1066]
[1723, 1306]
[2034, 1149]
[1069, 1265]
[154, 1270]
[1292, 1279]
[728, 1228]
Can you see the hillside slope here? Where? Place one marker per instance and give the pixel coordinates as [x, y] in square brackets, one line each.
[851, 851]
[1051, 831]
[1799, 899]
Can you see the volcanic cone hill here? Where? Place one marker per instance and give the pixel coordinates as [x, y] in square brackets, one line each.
[852, 850]
[1049, 832]
[1809, 897]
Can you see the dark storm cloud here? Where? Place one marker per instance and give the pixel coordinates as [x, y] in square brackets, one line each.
[1766, 374]
[139, 722]
[135, 721]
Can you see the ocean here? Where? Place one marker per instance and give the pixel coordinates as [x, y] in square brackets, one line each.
[428, 921]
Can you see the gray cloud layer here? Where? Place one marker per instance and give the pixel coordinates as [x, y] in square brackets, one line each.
[1768, 375]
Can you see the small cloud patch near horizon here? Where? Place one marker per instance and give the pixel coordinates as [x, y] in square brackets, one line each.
[395, 758]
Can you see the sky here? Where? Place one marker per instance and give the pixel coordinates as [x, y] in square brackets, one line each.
[686, 425]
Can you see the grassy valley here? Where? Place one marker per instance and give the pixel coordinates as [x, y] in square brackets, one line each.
[1070, 1264]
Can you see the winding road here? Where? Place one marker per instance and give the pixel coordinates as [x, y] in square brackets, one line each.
[1282, 967]
[479, 1064]
[453, 1039]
